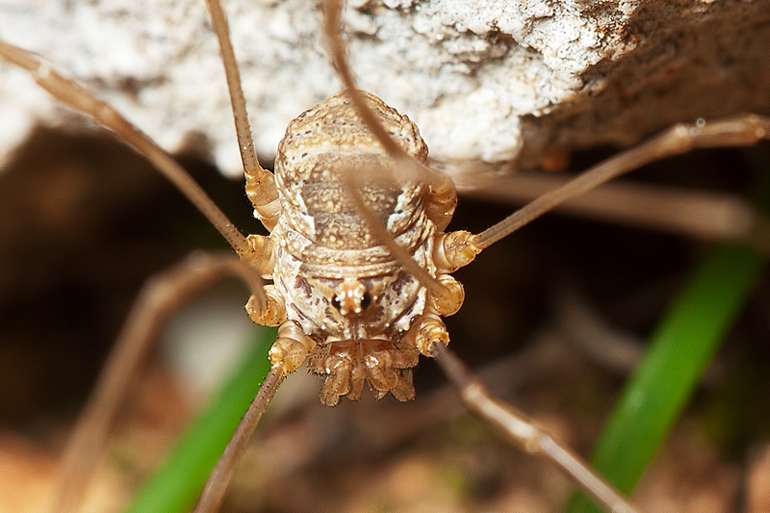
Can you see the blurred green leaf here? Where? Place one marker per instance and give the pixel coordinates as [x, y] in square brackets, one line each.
[176, 484]
[673, 365]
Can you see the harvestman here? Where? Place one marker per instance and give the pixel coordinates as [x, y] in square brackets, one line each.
[360, 308]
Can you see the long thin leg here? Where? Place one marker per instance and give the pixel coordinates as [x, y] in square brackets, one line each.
[709, 215]
[333, 28]
[289, 351]
[160, 296]
[526, 433]
[385, 237]
[260, 183]
[72, 94]
[740, 131]
[443, 197]
[737, 131]
[214, 491]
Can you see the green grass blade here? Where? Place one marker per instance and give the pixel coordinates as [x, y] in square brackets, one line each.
[177, 483]
[673, 365]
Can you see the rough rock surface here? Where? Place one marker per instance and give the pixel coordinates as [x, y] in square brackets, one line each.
[485, 80]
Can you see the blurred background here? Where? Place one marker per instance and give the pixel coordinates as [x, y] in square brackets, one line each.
[555, 318]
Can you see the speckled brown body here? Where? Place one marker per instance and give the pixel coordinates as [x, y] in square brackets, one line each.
[324, 250]
[321, 236]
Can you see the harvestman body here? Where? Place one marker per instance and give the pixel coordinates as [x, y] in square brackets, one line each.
[338, 292]
[358, 255]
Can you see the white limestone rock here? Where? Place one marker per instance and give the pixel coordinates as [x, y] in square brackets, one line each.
[484, 79]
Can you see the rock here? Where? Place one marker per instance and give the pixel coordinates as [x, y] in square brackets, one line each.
[485, 80]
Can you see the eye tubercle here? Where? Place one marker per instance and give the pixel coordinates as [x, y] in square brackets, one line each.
[351, 296]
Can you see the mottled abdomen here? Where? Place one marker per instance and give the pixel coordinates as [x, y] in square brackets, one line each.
[329, 144]
[341, 285]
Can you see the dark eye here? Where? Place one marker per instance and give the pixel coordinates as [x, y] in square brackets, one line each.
[336, 303]
[366, 300]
